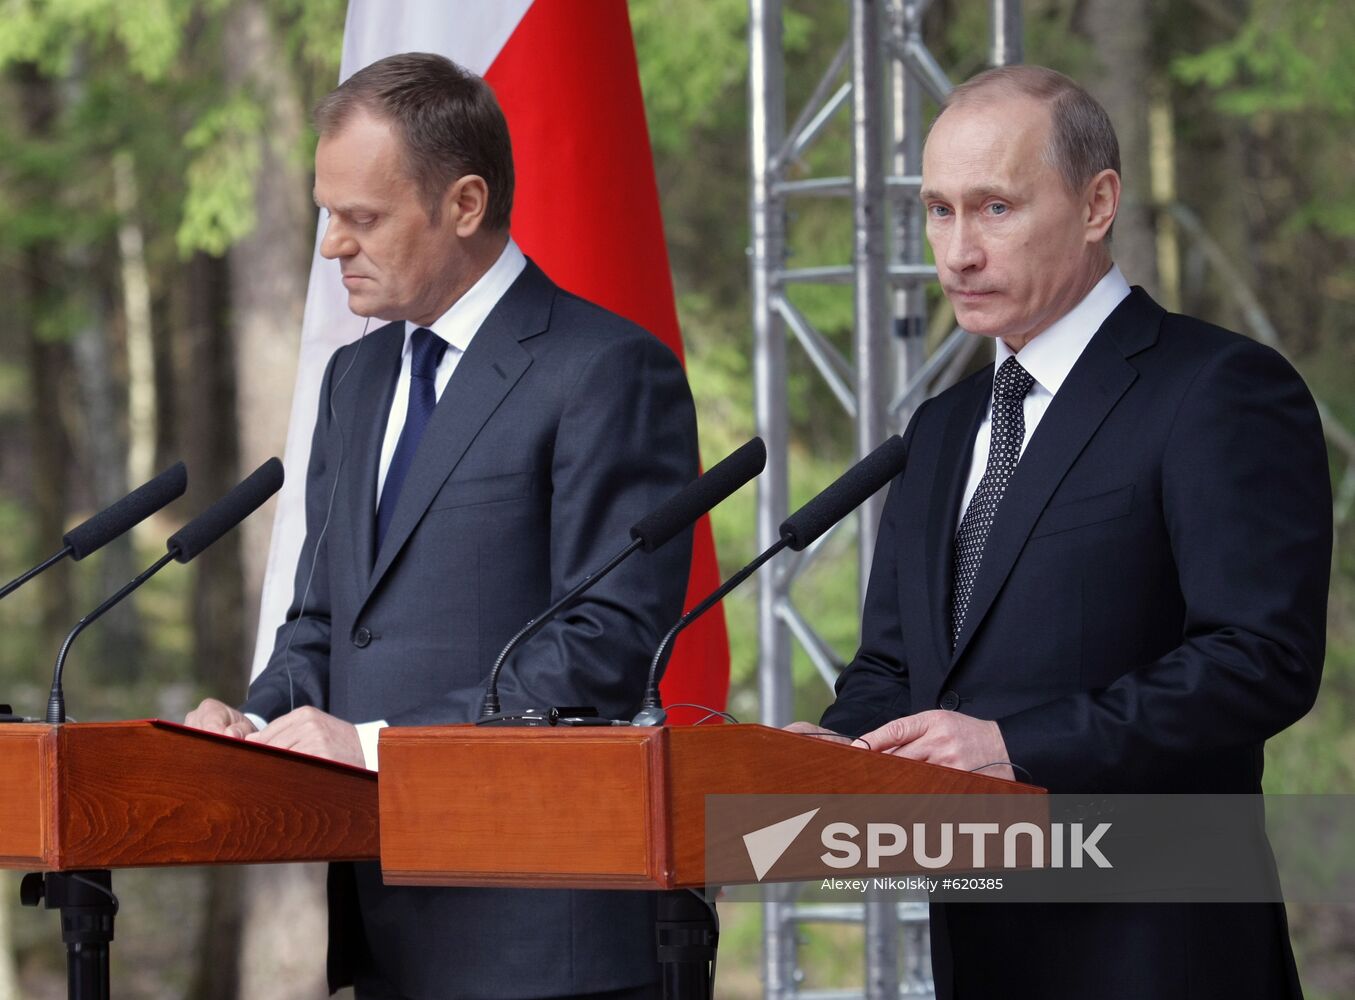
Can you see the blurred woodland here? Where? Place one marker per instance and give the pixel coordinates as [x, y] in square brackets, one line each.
[156, 228]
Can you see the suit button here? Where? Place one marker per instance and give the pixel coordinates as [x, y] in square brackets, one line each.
[950, 701]
[362, 636]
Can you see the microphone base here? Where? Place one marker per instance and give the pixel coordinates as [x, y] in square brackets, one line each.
[650, 717]
[531, 717]
[567, 716]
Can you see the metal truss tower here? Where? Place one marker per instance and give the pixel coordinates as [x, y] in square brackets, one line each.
[879, 76]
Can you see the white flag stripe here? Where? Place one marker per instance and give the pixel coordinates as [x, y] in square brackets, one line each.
[471, 33]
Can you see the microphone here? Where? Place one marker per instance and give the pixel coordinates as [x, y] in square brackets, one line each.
[853, 488]
[226, 513]
[839, 499]
[702, 495]
[655, 529]
[112, 521]
[186, 543]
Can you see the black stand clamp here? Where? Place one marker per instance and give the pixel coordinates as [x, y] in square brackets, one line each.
[88, 906]
[688, 937]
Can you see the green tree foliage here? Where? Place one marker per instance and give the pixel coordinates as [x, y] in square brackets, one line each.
[1290, 60]
[147, 75]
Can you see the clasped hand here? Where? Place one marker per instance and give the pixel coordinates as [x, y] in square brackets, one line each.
[305, 730]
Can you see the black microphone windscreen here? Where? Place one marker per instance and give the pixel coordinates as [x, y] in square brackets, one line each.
[132, 509]
[701, 495]
[227, 512]
[851, 490]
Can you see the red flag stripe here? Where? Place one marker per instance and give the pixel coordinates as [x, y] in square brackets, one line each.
[587, 210]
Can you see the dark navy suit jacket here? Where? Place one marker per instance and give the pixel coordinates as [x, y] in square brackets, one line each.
[561, 426]
[1150, 608]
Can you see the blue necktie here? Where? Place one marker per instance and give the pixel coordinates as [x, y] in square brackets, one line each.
[423, 396]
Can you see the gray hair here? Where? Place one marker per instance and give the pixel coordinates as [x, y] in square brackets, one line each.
[1082, 140]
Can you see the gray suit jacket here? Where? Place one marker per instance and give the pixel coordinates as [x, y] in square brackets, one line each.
[561, 426]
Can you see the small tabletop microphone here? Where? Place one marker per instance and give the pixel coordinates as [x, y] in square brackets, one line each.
[112, 521]
[838, 500]
[191, 539]
[656, 528]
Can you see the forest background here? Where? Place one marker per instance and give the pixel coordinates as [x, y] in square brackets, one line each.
[156, 228]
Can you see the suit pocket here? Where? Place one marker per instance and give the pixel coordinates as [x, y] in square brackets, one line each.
[486, 489]
[1084, 511]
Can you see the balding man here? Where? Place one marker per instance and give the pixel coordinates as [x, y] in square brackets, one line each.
[1107, 559]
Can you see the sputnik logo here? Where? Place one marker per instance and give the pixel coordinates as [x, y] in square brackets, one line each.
[765, 846]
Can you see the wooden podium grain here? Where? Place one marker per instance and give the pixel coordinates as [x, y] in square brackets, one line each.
[150, 793]
[606, 808]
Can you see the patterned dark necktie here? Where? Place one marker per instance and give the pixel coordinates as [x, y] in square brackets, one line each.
[1008, 431]
[428, 349]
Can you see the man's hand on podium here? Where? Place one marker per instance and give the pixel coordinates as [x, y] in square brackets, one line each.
[218, 717]
[936, 737]
[946, 738]
[309, 730]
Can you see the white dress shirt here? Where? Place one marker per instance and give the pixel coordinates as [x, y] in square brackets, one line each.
[1049, 356]
[457, 326]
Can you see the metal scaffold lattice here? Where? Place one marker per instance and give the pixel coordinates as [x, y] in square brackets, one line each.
[880, 76]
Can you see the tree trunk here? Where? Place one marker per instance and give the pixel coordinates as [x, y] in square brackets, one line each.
[285, 916]
[1120, 32]
[115, 650]
[136, 311]
[286, 927]
[9, 976]
[269, 267]
[1212, 145]
[220, 651]
[47, 358]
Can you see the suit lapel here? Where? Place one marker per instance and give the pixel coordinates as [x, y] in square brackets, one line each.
[372, 383]
[1093, 387]
[491, 366]
[952, 472]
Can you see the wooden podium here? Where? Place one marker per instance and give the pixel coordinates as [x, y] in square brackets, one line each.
[625, 808]
[139, 794]
[83, 798]
[609, 808]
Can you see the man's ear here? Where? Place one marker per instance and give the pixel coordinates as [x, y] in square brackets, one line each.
[465, 204]
[1101, 202]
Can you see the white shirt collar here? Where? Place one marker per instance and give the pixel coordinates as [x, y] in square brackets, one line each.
[1050, 355]
[459, 323]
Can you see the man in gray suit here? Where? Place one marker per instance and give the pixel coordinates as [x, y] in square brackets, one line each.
[472, 460]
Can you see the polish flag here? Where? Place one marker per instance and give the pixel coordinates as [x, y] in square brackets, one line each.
[586, 209]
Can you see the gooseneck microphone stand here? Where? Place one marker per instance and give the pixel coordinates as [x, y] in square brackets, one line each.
[56, 700]
[85, 898]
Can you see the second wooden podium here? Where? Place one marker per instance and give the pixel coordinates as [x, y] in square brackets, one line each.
[610, 808]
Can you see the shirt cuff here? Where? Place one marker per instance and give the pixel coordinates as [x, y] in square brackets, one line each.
[256, 721]
[368, 733]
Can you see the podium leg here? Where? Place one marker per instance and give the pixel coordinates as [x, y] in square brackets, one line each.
[688, 936]
[88, 906]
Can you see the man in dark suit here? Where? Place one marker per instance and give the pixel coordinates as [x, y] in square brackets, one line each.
[1106, 561]
[472, 460]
